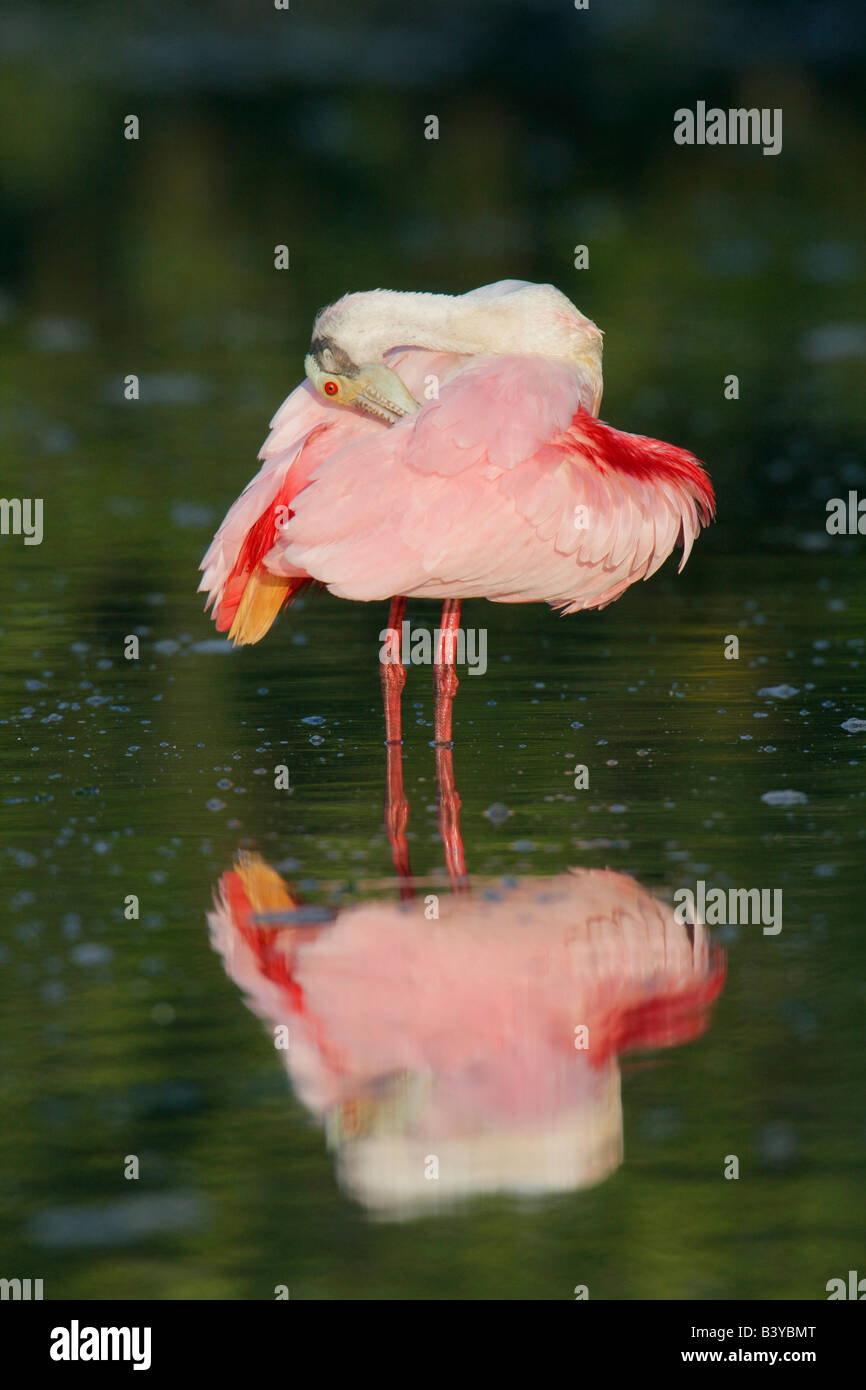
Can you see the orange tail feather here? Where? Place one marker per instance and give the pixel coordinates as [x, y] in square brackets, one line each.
[263, 596]
[263, 887]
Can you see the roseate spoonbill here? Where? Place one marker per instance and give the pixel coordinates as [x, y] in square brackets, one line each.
[448, 446]
[489, 1036]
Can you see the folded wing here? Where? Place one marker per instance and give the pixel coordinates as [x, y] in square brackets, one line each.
[503, 487]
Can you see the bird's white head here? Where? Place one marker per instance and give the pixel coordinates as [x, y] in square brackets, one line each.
[350, 338]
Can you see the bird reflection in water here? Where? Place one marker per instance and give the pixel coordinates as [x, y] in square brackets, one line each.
[477, 1050]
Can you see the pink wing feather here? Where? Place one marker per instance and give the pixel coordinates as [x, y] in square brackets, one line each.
[478, 495]
[502, 486]
[303, 432]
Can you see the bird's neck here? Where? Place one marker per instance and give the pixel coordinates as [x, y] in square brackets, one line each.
[372, 323]
[531, 320]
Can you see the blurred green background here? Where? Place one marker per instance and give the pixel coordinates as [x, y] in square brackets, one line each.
[156, 257]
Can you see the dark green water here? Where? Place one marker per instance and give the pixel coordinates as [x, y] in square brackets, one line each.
[146, 776]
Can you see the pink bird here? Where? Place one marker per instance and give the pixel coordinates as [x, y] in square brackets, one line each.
[448, 447]
[457, 1036]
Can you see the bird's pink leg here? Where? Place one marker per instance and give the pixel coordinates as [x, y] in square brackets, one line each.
[444, 672]
[396, 802]
[397, 818]
[394, 673]
[449, 817]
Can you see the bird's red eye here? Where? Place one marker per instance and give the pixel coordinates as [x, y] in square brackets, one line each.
[330, 388]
